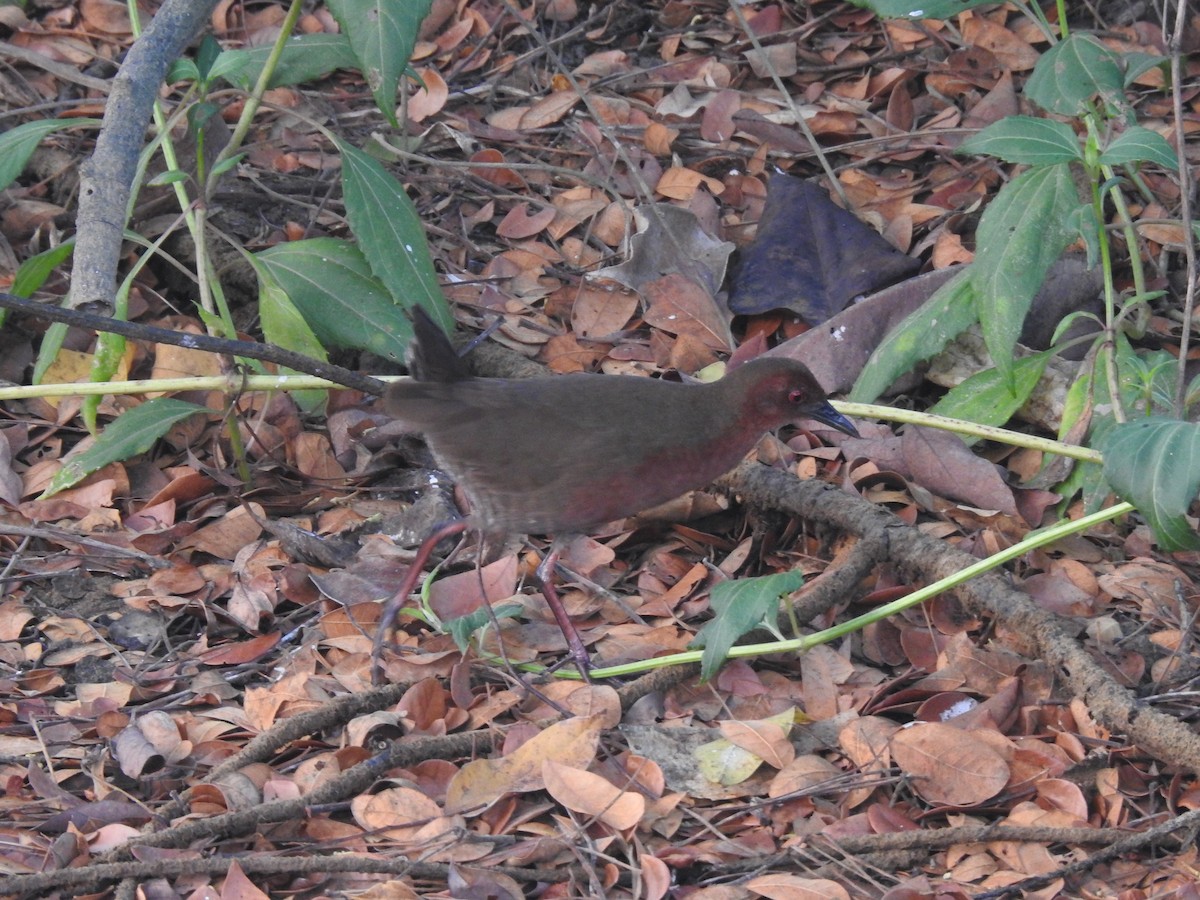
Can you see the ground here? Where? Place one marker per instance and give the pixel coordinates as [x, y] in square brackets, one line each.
[186, 635]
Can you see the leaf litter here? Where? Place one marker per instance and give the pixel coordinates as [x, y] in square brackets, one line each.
[926, 723]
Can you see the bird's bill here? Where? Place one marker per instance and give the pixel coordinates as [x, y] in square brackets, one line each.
[827, 415]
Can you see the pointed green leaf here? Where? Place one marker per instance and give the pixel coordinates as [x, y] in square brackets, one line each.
[1137, 144]
[991, 399]
[131, 433]
[1074, 71]
[284, 325]
[1154, 464]
[739, 607]
[1022, 232]
[382, 34]
[1026, 140]
[305, 57]
[331, 284]
[916, 9]
[922, 334]
[389, 232]
[461, 629]
[17, 144]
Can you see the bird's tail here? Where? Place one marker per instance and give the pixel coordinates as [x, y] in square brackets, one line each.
[431, 356]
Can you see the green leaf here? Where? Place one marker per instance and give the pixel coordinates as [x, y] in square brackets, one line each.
[1137, 144]
[990, 398]
[738, 608]
[1154, 464]
[922, 334]
[182, 70]
[389, 232]
[1072, 72]
[207, 56]
[915, 9]
[131, 433]
[226, 164]
[106, 359]
[1083, 222]
[200, 114]
[331, 284]
[34, 271]
[17, 144]
[382, 34]
[1026, 140]
[1020, 235]
[171, 176]
[284, 326]
[305, 57]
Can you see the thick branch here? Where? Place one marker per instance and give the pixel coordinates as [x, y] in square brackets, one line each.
[922, 557]
[107, 178]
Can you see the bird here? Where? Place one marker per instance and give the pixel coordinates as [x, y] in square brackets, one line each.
[560, 454]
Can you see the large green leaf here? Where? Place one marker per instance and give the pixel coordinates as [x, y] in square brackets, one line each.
[1026, 140]
[1154, 463]
[991, 399]
[739, 607]
[382, 34]
[305, 57]
[1137, 144]
[331, 284]
[389, 232]
[922, 334]
[284, 325]
[1071, 73]
[1020, 235]
[917, 9]
[131, 433]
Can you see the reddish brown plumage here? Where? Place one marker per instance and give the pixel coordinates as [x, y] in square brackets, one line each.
[564, 453]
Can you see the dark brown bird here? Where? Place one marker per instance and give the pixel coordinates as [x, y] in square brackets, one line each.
[562, 454]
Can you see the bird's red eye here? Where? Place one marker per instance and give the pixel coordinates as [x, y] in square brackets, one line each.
[795, 396]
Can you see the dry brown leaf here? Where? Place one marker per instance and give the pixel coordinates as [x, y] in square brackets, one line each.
[518, 224]
[678, 305]
[238, 886]
[593, 796]
[679, 183]
[397, 813]
[601, 310]
[454, 596]
[490, 168]
[483, 781]
[225, 537]
[105, 16]
[948, 765]
[794, 887]
[801, 774]
[548, 110]
[658, 138]
[1013, 52]
[429, 98]
[766, 740]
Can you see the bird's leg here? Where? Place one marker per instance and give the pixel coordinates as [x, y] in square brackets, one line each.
[392, 608]
[545, 576]
[604, 592]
